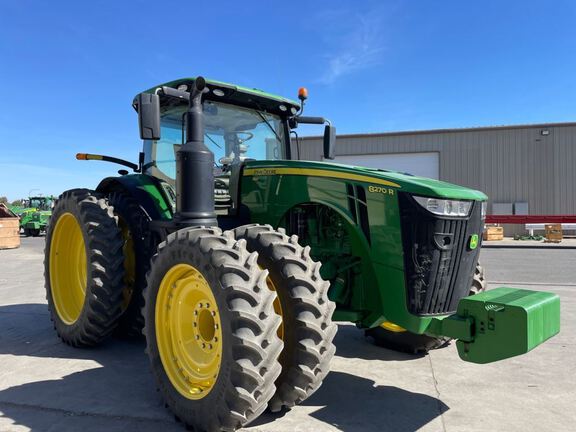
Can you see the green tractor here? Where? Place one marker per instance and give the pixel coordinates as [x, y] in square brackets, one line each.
[234, 258]
[35, 214]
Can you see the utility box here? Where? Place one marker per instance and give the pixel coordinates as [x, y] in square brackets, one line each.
[9, 229]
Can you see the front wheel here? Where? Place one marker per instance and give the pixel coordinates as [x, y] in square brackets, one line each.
[396, 338]
[307, 328]
[211, 330]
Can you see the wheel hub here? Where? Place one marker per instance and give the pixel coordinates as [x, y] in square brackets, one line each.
[68, 268]
[188, 331]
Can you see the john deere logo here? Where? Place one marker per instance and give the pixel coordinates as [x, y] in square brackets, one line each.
[474, 241]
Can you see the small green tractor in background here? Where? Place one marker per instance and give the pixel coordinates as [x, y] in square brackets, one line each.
[234, 258]
[34, 214]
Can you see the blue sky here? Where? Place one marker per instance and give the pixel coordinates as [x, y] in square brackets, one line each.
[69, 69]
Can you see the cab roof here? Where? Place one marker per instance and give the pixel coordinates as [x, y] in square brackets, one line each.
[230, 93]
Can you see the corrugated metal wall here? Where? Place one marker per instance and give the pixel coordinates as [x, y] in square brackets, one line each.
[510, 164]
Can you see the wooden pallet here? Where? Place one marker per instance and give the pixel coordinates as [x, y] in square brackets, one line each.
[9, 233]
[553, 233]
[494, 233]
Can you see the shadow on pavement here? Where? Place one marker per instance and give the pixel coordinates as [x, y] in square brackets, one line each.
[114, 389]
[351, 343]
[352, 403]
[26, 330]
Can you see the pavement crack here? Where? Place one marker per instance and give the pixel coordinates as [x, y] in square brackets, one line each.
[25, 313]
[438, 399]
[70, 413]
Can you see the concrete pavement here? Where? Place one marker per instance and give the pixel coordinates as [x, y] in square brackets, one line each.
[47, 386]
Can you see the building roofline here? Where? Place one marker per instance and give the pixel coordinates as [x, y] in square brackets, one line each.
[452, 130]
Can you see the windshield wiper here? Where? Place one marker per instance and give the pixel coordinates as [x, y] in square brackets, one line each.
[213, 142]
[205, 134]
[269, 125]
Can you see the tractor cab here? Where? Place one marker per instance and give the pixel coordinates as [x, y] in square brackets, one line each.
[40, 203]
[233, 133]
[240, 125]
[33, 204]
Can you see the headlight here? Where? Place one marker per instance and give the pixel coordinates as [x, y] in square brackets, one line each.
[443, 207]
[484, 208]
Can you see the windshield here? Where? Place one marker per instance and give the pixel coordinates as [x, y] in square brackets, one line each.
[234, 134]
[39, 203]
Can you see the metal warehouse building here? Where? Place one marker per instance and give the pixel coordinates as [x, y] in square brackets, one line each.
[525, 169]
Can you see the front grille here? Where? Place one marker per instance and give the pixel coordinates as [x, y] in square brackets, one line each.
[438, 262]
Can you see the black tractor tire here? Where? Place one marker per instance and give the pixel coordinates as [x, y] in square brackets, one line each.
[27, 232]
[307, 327]
[250, 345]
[138, 249]
[34, 232]
[102, 242]
[413, 343]
[479, 283]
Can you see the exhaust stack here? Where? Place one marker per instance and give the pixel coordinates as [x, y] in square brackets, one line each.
[194, 168]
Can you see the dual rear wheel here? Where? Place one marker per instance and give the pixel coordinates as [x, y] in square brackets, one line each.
[261, 331]
[235, 322]
[211, 329]
[83, 268]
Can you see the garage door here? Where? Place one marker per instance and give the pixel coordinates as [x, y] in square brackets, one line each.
[420, 164]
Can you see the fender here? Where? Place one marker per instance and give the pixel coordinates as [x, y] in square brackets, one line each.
[154, 196]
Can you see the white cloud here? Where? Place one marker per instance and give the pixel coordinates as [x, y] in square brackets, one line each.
[360, 45]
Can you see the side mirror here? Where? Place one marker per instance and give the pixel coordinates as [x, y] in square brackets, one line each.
[149, 116]
[329, 142]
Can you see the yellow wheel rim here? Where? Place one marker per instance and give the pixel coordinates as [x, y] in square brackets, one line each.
[129, 264]
[277, 306]
[68, 268]
[392, 327]
[188, 331]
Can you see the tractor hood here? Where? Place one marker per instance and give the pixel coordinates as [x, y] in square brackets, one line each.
[398, 181]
